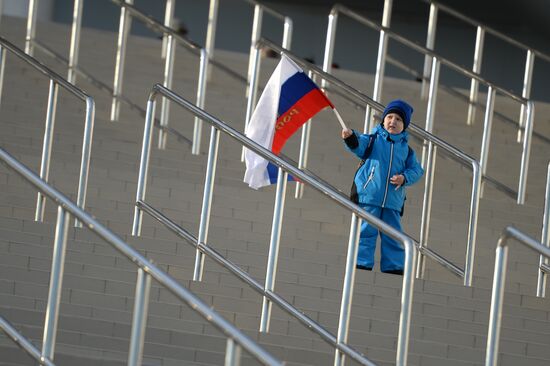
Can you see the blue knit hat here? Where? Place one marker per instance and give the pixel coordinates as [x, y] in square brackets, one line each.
[400, 107]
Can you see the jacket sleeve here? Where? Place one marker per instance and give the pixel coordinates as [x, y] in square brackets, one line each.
[413, 170]
[357, 143]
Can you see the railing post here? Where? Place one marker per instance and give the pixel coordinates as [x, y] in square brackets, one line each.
[472, 224]
[256, 34]
[168, 22]
[432, 102]
[251, 102]
[329, 44]
[2, 67]
[168, 76]
[526, 91]
[201, 96]
[211, 31]
[476, 68]
[487, 127]
[56, 281]
[430, 44]
[545, 238]
[123, 31]
[47, 147]
[144, 164]
[75, 41]
[347, 292]
[526, 152]
[426, 208]
[304, 150]
[31, 27]
[406, 304]
[380, 63]
[273, 255]
[86, 153]
[207, 201]
[139, 318]
[232, 353]
[287, 34]
[495, 316]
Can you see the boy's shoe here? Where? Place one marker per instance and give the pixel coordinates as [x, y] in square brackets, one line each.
[360, 266]
[398, 272]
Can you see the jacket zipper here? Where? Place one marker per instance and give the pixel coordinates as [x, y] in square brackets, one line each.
[371, 176]
[388, 176]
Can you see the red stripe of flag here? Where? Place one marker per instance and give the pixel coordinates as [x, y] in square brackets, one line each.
[290, 121]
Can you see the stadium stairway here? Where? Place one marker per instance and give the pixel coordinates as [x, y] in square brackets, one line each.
[449, 321]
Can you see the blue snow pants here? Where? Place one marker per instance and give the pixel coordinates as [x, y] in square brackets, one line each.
[392, 253]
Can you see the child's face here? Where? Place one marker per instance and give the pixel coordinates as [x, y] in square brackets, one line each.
[393, 123]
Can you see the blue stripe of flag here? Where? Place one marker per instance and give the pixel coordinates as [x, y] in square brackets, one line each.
[293, 90]
[272, 172]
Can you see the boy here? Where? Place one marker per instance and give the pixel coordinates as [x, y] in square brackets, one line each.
[387, 166]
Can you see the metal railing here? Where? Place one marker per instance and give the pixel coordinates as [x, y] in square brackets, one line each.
[499, 280]
[285, 168]
[259, 10]
[74, 69]
[249, 280]
[147, 271]
[437, 61]
[433, 143]
[481, 29]
[55, 82]
[127, 11]
[544, 267]
[22, 341]
[30, 38]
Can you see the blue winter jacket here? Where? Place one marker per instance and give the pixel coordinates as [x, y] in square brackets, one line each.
[390, 155]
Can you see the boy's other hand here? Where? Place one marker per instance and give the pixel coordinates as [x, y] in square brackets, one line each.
[346, 132]
[397, 180]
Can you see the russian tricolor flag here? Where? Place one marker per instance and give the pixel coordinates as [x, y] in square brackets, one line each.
[289, 100]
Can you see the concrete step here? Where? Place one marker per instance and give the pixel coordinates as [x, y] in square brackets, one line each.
[449, 320]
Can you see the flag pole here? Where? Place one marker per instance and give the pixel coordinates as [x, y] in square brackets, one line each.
[340, 119]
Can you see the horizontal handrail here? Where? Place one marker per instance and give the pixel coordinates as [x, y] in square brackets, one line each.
[171, 36]
[140, 261]
[45, 70]
[23, 342]
[545, 239]
[255, 285]
[432, 65]
[284, 168]
[158, 26]
[456, 154]
[496, 33]
[268, 10]
[425, 51]
[56, 81]
[499, 280]
[278, 161]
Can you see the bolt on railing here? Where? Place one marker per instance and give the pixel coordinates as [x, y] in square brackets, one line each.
[55, 82]
[217, 126]
[436, 61]
[147, 270]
